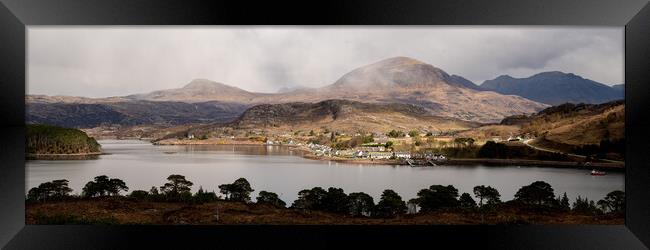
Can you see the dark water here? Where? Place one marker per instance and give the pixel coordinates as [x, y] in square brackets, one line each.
[276, 169]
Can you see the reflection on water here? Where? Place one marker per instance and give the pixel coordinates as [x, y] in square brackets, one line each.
[280, 170]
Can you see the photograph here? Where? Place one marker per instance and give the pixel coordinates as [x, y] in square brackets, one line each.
[325, 125]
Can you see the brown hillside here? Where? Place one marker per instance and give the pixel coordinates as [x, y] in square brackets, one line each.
[344, 115]
[579, 124]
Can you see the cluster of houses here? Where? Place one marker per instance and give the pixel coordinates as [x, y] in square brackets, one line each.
[512, 138]
[371, 152]
[377, 154]
[320, 149]
[271, 142]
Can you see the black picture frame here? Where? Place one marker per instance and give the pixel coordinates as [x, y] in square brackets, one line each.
[15, 15]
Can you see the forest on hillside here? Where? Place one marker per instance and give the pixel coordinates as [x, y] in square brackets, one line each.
[47, 139]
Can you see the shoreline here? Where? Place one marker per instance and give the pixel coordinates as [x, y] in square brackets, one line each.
[535, 163]
[78, 156]
[474, 162]
[479, 161]
[219, 141]
[307, 154]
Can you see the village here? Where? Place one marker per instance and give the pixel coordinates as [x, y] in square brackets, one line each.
[325, 144]
[370, 151]
[412, 148]
[394, 145]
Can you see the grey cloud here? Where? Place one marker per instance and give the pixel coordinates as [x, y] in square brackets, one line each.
[112, 61]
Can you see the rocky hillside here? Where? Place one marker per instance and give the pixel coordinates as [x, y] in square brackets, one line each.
[582, 129]
[575, 124]
[339, 115]
[461, 81]
[554, 88]
[129, 113]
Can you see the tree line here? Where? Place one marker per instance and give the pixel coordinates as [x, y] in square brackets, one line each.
[601, 151]
[493, 149]
[47, 139]
[537, 195]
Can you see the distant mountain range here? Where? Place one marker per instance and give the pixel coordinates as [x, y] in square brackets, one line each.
[394, 80]
[399, 80]
[620, 88]
[555, 88]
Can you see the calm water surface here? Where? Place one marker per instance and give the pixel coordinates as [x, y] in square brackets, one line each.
[276, 169]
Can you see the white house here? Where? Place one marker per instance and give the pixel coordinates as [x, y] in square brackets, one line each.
[345, 153]
[379, 155]
[405, 155]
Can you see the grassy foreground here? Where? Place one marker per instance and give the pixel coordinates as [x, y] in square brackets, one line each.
[124, 210]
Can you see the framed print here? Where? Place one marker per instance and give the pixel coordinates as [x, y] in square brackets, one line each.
[519, 123]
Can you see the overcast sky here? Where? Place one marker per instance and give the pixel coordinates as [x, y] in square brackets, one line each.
[115, 61]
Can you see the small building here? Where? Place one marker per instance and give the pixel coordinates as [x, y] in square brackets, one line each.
[372, 148]
[403, 155]
[439, 158]
[380, 155]
[345, 153]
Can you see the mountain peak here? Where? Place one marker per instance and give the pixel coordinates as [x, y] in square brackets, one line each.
[504, 77]
[403, 72]
[200, 83]
[399, 60]
[554, 74]
[198, 90]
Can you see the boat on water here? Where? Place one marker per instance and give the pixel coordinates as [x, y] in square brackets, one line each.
[596, 172]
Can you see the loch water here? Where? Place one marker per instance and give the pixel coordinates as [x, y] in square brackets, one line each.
[283, 171]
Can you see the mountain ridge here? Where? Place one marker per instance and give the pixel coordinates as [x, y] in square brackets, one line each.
[554, 88]
[198, 90]
[393, 80]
